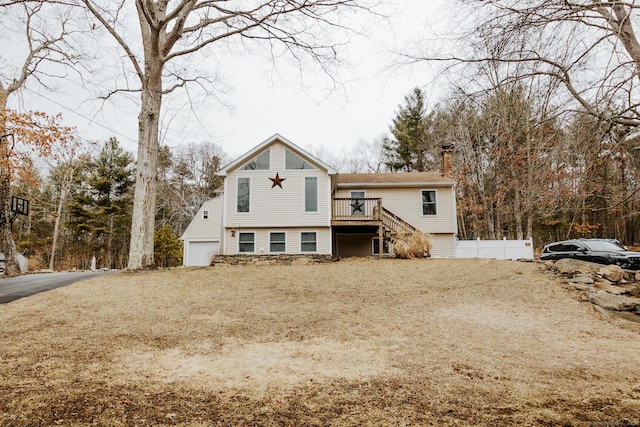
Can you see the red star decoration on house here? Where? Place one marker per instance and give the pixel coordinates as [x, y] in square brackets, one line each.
[277, 181]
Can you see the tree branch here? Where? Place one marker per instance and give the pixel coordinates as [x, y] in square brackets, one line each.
[96, 13]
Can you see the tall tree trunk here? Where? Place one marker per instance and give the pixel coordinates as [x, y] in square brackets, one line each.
[144, 198]
[64, 190]
[110, 256]
[7, 244]
[6, 238]
[56, 229]
[488, 212]
[518, 215]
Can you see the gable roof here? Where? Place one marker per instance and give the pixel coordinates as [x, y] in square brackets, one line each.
[214, 206]
[266, 143]
[394, 179]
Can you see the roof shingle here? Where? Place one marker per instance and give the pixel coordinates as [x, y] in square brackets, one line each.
[393, 178]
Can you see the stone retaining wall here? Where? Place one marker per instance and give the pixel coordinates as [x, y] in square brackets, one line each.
[285, 259]
[607, 286]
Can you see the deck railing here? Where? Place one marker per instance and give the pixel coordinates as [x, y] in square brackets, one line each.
[395, 224]
[357, 209]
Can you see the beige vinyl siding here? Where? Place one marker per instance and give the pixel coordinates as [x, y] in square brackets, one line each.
[210, 229]
[277, 207]
[292, 235]
[361, 245]
[406, 202]
[354, 245]
[444, 245]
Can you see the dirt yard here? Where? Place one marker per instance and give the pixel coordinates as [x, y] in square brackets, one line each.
[353, 343]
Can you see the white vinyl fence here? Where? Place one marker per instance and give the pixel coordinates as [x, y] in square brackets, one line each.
[498, 249]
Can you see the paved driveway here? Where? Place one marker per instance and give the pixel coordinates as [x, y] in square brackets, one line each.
[13, 288]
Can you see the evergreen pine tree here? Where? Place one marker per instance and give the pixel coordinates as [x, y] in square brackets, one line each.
[101, 211]
[409, 148]
[167, 248]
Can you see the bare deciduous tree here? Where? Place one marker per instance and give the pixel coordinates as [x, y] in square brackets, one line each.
[187, 178]
[45, 32]
[588, 48]
[172, 30]
[69, 160]
[364, 157]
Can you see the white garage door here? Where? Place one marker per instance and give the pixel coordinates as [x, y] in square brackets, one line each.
[200, 253]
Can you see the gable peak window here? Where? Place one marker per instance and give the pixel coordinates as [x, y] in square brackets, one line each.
[294, 161]
[205, 215]
[261, 162]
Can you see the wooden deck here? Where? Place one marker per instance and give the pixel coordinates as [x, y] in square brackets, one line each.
[359, 212]
[356, 211]
[368, 212]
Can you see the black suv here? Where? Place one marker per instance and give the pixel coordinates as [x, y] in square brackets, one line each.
[601, 251]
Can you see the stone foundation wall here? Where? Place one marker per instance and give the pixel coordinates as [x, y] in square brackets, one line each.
[284, 259]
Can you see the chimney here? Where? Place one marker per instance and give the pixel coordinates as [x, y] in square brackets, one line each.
[446, 168]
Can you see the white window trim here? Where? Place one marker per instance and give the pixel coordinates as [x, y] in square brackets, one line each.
[436, 203]
[254, 242]
[205, 215]
[373, 252]
[309, 231]
[238, 194]
[285, 242]
[304, 195]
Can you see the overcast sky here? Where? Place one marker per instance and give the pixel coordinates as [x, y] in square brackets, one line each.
[258, 103]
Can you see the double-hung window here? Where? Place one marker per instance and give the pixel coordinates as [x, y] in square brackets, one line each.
[244, 190]
[311, 194]
[246, 242]
[277, 242]
[309, 241]
[429, 205]
[205, 215]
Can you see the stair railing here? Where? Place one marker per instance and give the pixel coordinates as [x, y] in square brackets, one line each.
[395, 224]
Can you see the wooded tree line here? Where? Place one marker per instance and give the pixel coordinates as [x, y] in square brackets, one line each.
[522, 170]
[81, 205]
[544, 117]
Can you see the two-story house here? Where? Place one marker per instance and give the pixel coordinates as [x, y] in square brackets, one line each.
[279, 199]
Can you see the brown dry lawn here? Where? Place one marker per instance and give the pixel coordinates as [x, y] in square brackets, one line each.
[359, 342]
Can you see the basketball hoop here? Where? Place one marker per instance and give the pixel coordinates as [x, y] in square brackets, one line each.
[19, 206]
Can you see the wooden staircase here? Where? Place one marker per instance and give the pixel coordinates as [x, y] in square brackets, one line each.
[368, 212]
[393, 225]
